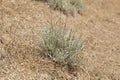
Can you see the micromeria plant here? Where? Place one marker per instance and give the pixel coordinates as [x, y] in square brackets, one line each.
[60, 45]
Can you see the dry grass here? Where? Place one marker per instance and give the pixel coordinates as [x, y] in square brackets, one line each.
[20, 27]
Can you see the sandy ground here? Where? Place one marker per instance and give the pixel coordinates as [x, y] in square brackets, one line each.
[20, 25]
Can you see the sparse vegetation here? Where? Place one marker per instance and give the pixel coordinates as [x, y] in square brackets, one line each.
[60, 45]
[67, 6]
[21, 22]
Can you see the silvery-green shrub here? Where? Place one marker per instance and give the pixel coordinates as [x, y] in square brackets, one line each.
[67, 6]
[61, 45]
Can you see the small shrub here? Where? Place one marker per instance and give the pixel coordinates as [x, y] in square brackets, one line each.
[67, 6]
[60, 45]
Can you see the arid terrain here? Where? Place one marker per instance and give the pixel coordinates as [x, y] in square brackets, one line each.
[21, 22]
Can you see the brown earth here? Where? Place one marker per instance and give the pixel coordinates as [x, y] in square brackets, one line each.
[20, 25]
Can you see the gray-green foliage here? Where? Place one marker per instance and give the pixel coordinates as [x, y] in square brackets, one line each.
[67, 6]
[60, 45]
